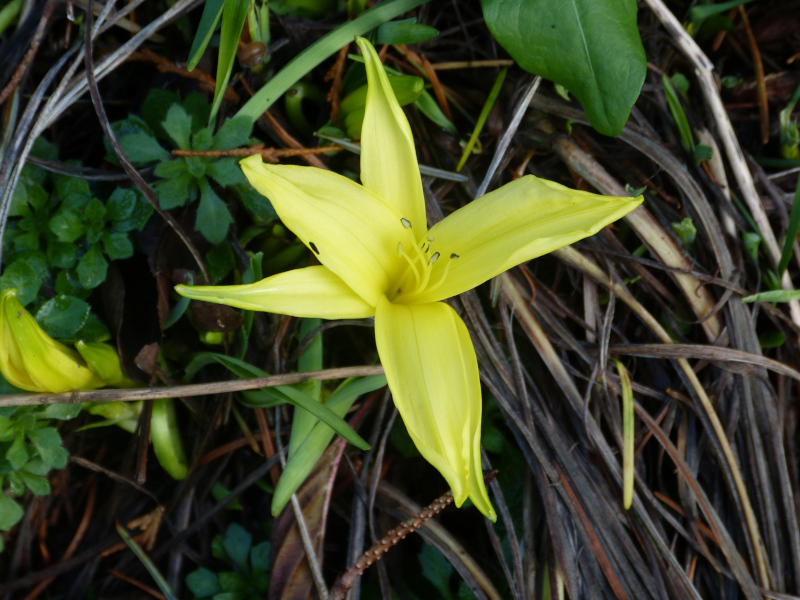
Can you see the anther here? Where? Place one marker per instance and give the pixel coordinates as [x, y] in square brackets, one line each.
[406, 223]
[434, 258]
[454, 255]
[313, 247]
[429, 238]
[399, 248]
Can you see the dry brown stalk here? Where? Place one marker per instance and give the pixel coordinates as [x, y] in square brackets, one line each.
[269, 154]
[386, 543]
[761, 86]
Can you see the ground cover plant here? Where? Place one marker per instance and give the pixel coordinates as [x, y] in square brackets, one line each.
[267, 293]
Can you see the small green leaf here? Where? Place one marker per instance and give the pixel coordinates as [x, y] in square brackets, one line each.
[92, 268]
[62, 412]
[259, 206]
[22, 277]
[155, 107]
[66, 225]
[62, 255]
[142, 148]
[231, 582]
[68, 284]
[196, 166]
[220, 261]
[686, 232]
[93, 330]
[203, 139]
[226, 171]
[174, 192]
[10, 513]
[237, 543]
[61, 317]
[39, 486]
[234, 132]
[121, 203]
[117, 246]
[771, 339]
[591, 47]
[198, 108]
[213, 217]
[17, 454]
[178, 125]
[169, 169]
[130, 210]
[48, 443]
[259, 558]
[74, 192]
[406, 31]
[95, 211]
[702, 152]
[203, 583]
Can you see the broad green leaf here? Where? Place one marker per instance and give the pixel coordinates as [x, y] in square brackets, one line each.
[212, 11]
[233, 17]
[61, 317]
[220, 261]
[170, 168]
[155, 107]
[213, 217]
[591, 47]
[62, 412]
[17, 454]
[36, 484]
[62, 255]
[258, 205]
[92, 268]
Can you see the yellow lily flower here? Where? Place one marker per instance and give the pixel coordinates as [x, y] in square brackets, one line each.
[32, 360]
[380, 260]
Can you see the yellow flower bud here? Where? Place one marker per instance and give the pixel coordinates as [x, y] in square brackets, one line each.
[32, 360]
[104, 360]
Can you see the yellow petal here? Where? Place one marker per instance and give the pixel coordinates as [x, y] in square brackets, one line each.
[310, 292]
[388, 159]
[351, 230]
[523, 219]
[432, 371]
[34, 361]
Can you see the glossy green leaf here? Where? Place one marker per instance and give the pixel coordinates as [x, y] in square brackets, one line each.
[92, 268]
[213, 217]
[591, 47]
[61, 317]
[407, 31]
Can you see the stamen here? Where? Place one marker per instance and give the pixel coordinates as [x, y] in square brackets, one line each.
[429, 238]
[434, 258]
[406, 223]
[454, 255]
[411, 265]
[399, 248]
[313, 247]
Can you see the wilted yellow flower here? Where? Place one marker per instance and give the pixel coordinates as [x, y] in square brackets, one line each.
[32, 360]
[379, 259]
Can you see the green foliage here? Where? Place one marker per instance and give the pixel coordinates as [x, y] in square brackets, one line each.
[62, 233]
[29, 448]
[686, 232]
[249, 574]
[405, 31]
[591, 47]
[185, 179]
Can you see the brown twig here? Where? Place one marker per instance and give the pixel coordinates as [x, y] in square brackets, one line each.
[761, 85]
[391, 539]
[335, 74]
[19, 72]
[269, 154]
[206, 81]
[438, 90]
[184, 391]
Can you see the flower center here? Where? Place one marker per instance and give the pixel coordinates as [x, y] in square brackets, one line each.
[419, 277]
